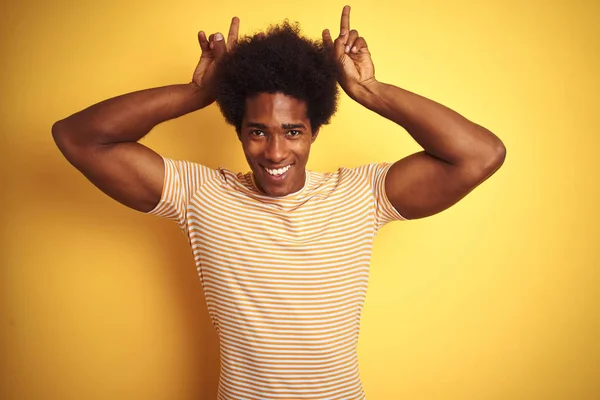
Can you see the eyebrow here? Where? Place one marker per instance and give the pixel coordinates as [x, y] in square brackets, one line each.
[283, 126]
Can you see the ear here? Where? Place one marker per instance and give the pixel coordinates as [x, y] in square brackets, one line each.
[314, 135]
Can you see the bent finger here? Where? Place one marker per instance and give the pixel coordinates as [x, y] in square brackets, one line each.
[351, 39]
[360, 46]
[219, 46]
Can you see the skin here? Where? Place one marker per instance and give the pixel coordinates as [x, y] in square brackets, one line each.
[276, 133]
[458, 155]
[101, 141]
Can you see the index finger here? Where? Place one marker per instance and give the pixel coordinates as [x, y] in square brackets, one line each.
[345, 23]
[232, 36]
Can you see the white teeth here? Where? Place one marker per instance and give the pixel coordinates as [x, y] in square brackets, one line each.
[279, 171]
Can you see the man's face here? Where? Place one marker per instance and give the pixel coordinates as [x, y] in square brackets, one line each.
[276, 136]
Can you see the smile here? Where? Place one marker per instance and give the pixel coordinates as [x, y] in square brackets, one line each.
[279, 171]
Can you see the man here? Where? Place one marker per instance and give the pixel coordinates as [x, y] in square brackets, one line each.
[283, 253]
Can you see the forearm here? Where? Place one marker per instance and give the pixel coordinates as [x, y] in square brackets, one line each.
[442, 132]
[129, 117]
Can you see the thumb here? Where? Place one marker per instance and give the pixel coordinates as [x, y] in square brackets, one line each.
[220, 47]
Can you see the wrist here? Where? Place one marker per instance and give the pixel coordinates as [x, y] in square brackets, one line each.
[203, 96]
[369, 93]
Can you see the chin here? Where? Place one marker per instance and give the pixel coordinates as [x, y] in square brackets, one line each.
[273, 188]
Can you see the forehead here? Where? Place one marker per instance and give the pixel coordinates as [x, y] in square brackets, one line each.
[275, 107]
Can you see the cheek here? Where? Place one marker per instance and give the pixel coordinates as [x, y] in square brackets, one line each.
[252, 149]
[302, 150]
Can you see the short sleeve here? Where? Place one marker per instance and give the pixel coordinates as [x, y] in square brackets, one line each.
[384, 210]
[181, 181]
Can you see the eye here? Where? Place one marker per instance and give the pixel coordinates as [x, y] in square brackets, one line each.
[257, 132]
[294, 133]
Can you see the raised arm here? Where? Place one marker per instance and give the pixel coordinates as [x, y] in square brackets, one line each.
[102, 141]
[458, 154]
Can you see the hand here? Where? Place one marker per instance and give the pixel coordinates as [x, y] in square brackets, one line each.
[355, 67]
[213, 50]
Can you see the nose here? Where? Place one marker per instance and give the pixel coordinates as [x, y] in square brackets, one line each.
[276, 149]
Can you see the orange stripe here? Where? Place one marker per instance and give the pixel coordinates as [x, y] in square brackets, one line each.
[284, 278]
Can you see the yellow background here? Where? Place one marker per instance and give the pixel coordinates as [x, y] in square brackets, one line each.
[496, 298]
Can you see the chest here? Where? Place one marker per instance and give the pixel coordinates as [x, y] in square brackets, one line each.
[325, 230]
[295, 256]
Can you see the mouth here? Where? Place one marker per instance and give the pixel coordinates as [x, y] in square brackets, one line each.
[278, 173]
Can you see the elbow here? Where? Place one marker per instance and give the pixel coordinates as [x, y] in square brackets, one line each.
[497, 155]
[67, 142]
[59, 133]
[492, 158]
[489, 154]
[66, 134]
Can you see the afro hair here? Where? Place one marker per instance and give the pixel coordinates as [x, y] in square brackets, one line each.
[278, 61]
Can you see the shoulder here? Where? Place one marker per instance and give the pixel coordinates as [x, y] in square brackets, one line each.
[368, 173]
[347, 178]
[188, 167]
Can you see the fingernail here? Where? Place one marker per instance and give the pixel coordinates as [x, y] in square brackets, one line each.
[343, 32]
[218, 36]
[347, 49]
[354, 49]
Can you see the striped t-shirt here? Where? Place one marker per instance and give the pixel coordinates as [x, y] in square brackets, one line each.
[284, 278]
